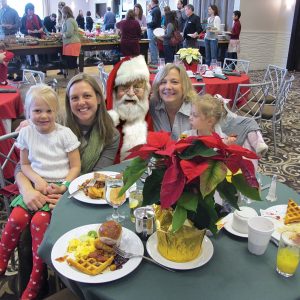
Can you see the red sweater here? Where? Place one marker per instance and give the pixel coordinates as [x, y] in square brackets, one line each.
[236, 30]
[3, 67]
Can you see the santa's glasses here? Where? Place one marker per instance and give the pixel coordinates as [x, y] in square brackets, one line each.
[136, 87]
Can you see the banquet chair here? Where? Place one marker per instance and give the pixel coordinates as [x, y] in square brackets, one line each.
[273, 112]
[249, 100]
[238, 65]
[276, 76]
[103, 77]
[200, 88]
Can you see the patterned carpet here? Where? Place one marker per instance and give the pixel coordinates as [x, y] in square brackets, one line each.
[286, 164]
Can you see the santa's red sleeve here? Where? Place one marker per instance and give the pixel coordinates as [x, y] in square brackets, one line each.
[8, 56]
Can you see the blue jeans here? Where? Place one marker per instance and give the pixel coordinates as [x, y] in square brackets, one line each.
[211, 50]
[152, 46]
[169, 53]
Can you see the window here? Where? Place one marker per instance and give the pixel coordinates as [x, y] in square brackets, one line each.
[19, 6]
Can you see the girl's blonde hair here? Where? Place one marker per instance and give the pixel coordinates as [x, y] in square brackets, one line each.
[187, 88]
[43, 92]
[209, 106]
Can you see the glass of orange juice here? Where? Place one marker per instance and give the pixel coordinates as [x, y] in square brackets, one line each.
[288, 255]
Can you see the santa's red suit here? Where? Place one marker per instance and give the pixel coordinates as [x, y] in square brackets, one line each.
[129, 113]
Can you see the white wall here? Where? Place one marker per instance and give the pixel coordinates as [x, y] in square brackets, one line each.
[266, 31]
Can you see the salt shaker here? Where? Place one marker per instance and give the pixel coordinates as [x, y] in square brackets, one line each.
[272, 191]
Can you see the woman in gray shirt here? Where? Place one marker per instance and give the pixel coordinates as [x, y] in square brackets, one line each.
[170, 104]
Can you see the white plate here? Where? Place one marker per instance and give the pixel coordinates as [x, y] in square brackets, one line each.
[272, 212]
[204, 256]
[159, 32]
[190, 34]
[228, 226]
[81, 195]
[208, 76]
[129, 242]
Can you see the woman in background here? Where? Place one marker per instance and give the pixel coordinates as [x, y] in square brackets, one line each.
[80, 19]
[130, 31]
[71, 41]
[211, 41]
[89, 21]
[140, 17]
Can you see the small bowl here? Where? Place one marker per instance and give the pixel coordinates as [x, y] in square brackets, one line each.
[241, 217]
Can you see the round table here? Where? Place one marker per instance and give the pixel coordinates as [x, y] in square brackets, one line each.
[226, 88]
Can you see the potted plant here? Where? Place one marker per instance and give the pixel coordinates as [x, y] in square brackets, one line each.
[190, 57]
[185, 177]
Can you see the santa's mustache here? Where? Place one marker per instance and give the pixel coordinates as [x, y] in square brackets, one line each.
[132, 108]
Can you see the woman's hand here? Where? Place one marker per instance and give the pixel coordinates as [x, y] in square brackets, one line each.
[23, 124]
[34, 200]
[55, 189]
[53, 199]
[41, 185]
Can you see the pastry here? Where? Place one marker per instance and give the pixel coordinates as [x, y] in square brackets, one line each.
[292, 212]
[110, 233]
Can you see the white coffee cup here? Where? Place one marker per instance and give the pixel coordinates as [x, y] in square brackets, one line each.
[218, 70]
[260, 230]
[241, 217]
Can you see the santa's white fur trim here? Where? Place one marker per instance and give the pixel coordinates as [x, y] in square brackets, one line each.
[133, 69]
[134, 134]
[115, 117]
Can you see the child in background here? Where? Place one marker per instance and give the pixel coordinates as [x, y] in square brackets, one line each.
[3, 66]
[234, 43]
[50, 159]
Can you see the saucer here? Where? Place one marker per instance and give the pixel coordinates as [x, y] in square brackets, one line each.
[159, 32]
[228, 226]
[208, 76]
[205, 255]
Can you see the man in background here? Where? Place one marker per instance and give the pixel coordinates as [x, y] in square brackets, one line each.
[180, 14]
[109, 19]
[192, 28]
[9, 20]
[50, 23]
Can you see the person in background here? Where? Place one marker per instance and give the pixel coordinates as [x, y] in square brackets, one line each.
[234, 42]
[180, 15]
[60, 6]
[51, 175]
[170, 103]
[131, 32]
[9, 20]
[71, 41]
[192, 28]
[140, 17]
[3, 65]
[171, 26]
[50, 23]
[109, 19]
[153, 23]
[163, 17]
[210, 39]
[80, 19]
[89, 22]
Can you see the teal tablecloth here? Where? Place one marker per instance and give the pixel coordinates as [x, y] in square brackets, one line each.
[232, 273]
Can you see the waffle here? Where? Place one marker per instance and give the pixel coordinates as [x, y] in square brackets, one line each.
[90, 266]
[292, 212]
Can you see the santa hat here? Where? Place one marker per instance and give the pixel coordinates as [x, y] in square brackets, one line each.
[126, 70]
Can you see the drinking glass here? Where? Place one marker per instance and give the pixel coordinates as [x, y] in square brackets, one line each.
[135, 201]
[201, 69]
[112, 189]
[161, 63]
[213, 64]
[176, 59]
[288, 254]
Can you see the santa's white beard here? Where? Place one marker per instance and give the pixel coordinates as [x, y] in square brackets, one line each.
[135, 110]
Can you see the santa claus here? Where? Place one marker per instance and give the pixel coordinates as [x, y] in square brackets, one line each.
[127, 99]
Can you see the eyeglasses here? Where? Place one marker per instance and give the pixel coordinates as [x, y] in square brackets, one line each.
[137, 88]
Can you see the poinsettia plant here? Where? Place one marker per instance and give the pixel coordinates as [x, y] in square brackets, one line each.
[187, 173]
[189, 55]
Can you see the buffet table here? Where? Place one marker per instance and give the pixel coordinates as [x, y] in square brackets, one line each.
[19, 49]
[232, 273]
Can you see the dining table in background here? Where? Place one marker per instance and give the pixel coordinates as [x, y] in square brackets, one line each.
[11, 107]
[225, 87]
[232, 273]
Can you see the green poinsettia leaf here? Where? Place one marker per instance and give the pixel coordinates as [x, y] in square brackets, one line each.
[212, 176]
[132, 173]
[241, 184]
[195, 57]
[197, 149]
[189, 59]
[152, 186]
[179, 216]
[188, 201]
[228, 193]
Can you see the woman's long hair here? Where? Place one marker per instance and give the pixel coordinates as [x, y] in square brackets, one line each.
[140, 15]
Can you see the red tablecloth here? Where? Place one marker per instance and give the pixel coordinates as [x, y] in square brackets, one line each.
[226, 88]
[11, 105]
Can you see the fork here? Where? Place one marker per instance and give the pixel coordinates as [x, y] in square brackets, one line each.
[91, 183]
[131, 255]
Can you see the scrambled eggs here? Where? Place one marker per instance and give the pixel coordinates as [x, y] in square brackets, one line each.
[81, 247]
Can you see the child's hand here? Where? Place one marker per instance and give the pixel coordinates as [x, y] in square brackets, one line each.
[230, 140]
[41, 185]
[55, 189]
